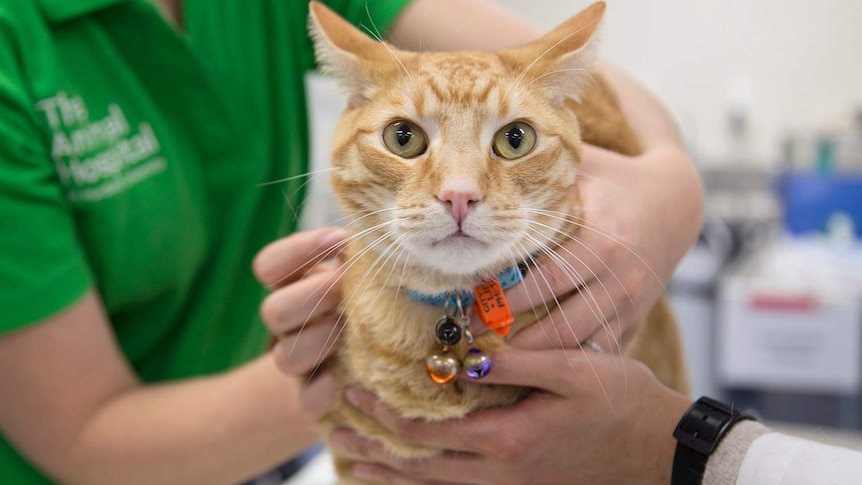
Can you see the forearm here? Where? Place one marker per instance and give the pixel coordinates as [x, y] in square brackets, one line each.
[219, 429]
[459, 25]
[677, 190]
[652, 124]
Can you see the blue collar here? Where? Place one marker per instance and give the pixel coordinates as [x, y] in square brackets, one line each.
[508, 278]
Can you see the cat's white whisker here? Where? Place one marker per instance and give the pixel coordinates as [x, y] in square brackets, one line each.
[320, 258]
[385, 284]
[583, 223]
[535, 307]
[581, 174]
[328, 344]
[549, 49]
[331, 340]
[558, 71]
[569, 326]
[580, 222]
[351, 217]
[590, 301]
[575, 279]
[293, 194]
[596, 255]
[549, 252]
[350, 263]
[345, 266]
[376, 34]
[293, 210]
[571, 361]
[393, 266]
[379, 262]
[612, 341]
[300, 176]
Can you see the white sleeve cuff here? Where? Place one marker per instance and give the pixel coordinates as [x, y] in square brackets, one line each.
[778, 459]
[722, 468]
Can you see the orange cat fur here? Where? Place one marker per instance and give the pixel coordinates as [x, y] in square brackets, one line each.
[457, 210]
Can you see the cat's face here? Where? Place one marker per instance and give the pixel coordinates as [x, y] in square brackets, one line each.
[460, 163]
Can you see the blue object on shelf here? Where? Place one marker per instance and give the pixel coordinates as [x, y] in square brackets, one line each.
[811, 199]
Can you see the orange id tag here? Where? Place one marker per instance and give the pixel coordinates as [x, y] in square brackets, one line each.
[492, 307]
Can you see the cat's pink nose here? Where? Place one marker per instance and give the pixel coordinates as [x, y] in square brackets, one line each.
[460, 202]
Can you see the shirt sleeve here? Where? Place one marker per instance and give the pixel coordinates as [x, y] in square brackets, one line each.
[42, 268]
[779, 459]
[375, 17]
[723, 466]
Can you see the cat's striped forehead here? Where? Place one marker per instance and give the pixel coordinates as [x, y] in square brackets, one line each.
[442, 83]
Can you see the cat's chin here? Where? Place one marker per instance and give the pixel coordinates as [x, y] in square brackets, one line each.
[459, 243]
[460, 262]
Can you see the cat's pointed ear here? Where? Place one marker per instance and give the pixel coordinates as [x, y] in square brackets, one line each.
[346, 52]
[562, 59]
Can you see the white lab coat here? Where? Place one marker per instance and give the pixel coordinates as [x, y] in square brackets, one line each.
[779, 459]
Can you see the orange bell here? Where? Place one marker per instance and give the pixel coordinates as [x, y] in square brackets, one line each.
[443, 367]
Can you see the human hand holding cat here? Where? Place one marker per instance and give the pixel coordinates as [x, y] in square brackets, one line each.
[620, 263]
[641, 214]
[592, 419]
[304, 298]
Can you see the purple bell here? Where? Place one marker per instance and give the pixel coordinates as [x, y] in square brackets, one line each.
[477, 363]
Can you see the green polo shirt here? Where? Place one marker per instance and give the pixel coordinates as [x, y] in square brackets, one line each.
[131, 162]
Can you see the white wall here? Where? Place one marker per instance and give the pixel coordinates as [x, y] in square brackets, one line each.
[799, 59]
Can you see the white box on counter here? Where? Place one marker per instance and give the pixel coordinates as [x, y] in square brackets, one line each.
[791, 320]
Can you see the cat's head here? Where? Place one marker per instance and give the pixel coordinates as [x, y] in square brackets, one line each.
[457, 164]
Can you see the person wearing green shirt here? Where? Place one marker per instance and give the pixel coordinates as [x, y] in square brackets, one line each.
[136, 138]
[131, 166]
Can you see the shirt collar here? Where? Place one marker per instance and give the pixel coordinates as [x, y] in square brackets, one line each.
[57, 11]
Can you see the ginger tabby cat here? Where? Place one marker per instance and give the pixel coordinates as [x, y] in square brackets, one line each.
[453, 168]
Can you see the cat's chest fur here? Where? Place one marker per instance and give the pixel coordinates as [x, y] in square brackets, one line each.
[389, 335]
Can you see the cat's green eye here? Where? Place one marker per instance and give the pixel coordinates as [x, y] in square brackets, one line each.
[405, 139]
[514, 140]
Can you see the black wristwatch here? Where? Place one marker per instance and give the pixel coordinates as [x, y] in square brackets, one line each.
[698, 433]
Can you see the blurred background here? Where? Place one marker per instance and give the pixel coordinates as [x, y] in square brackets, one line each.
[768, 94]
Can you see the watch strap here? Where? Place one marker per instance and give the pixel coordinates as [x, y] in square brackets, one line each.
[698, 434]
